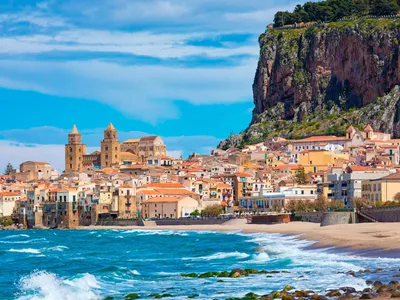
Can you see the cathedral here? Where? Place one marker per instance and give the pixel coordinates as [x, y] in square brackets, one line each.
[112, 153]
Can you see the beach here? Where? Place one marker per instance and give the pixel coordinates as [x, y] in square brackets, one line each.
[385, 236]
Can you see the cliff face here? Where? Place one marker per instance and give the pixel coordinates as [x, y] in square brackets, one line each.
[318, 80]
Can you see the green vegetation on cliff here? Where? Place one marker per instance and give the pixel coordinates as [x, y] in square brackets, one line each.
[333, 10]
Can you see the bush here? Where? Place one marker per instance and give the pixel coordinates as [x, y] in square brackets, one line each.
[334, 10]
[212, 211]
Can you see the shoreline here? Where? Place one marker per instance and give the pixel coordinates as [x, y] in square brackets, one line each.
[376, 237]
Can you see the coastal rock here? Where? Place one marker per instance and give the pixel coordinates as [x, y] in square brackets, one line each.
[348, 290]
[366, 296]
[301, 293]
[334, 293]
[384, 288]
[394, 284]
[395, 294]
[377, 284]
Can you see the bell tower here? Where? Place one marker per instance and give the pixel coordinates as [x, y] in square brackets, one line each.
[110, 147]
[74, 152]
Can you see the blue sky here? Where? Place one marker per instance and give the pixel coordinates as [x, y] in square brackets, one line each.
[182, 69]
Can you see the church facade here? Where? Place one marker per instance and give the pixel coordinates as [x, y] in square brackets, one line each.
[112, 153]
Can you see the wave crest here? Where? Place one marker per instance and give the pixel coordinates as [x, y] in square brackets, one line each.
[219, 255]
[45, 285]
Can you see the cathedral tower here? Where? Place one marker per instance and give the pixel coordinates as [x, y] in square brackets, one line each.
[110, 147]
[74, 151]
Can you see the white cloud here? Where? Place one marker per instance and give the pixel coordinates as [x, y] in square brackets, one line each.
[163, 46]
[144, 92]
[18, 153]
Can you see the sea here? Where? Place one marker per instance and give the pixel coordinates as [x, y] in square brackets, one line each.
[84, 264]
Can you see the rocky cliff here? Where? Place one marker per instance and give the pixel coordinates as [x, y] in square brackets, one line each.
[321, 79]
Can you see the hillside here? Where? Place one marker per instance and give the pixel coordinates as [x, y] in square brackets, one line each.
[319, 79]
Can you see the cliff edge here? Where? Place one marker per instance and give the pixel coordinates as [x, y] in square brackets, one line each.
[320, 79]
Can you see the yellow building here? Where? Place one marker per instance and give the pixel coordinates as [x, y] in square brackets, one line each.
[319, 160]
[383, 189]
[74, 152]
[110, 148]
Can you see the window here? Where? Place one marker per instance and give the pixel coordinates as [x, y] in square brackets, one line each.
[65, 198]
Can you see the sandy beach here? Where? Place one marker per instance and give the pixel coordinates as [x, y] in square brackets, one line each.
[384, 236]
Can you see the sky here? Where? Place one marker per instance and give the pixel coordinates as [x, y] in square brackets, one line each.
[181, 69]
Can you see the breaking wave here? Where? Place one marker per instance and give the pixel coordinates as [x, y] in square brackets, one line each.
[28, 250]
[219, 255]
[47, 286]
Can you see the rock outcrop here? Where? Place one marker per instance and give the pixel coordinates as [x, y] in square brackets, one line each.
[320, 79]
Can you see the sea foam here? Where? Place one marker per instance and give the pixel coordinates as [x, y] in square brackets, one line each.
[219, 255]
[27, 250]
[47, 286]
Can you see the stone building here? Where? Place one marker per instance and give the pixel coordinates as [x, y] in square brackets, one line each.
[110, 148]
[74, 152]
[112, 151]
[145, 147]
[32, 170]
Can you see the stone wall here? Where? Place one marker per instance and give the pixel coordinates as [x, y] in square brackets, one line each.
[313, 217]
[383, 214]
[117, 222]
[167, 222]
[335, 218]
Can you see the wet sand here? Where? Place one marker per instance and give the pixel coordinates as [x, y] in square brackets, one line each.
[377, 237]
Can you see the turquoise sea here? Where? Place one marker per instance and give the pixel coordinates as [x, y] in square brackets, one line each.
[51, 264]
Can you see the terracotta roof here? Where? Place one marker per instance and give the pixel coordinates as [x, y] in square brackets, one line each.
[368, 128]
[321, 138]
[170, 185]
[163, 199]
[173, 191]
[392, 177]
[242, 174]
[350, 129]
[126, 186]
[8, 194]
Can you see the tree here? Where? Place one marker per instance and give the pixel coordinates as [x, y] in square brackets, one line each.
[276, 208]
[8, 169]
[195, 213]
[397, 197]
[384, 7]
[212, 211]
[321, 204]
[300, 177]
[359, 202]
[291, 205]
[335, 205]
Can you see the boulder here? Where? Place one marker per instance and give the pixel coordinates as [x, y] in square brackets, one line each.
[377, 284]
[394, 284]
[300, 293]
[384, 288]
[348, 290]
[334, 293]
[396, 294]
[366, 296]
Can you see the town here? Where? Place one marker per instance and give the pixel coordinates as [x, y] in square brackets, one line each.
[135, 180]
